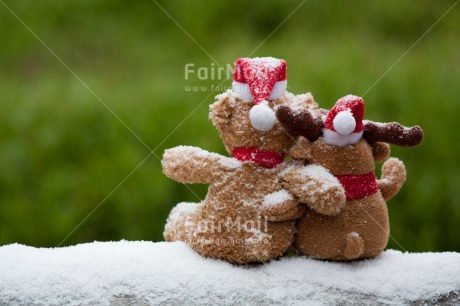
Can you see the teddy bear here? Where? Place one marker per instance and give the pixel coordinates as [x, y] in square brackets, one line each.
[247, 216]
[348, 147]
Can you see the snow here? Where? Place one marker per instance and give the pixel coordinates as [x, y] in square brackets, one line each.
[405, 129]
[277, 197]
[317, 173]
[183, 209]
[172, 274]
[353, 234]
[302, 101]
[190, 153]
[270, 63]
[349, 98]
[227, 94]
[262, 117]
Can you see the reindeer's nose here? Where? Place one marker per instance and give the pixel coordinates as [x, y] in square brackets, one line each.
[344, 123]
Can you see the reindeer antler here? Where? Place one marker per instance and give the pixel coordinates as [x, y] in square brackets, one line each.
[300, 122]
[393, 133]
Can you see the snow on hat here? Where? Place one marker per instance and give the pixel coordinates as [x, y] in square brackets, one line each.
[258, 80]
[344, 122]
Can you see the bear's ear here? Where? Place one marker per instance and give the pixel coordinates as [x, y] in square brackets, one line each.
[221, 111]
[301, 150]
[306, 101]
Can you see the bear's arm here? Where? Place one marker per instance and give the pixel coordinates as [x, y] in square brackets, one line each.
[191, 165]
[281, 206]
[316, 187]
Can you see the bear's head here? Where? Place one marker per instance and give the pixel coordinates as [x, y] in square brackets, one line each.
[245, 116]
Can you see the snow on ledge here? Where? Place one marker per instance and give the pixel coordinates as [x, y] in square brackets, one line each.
[172, 274]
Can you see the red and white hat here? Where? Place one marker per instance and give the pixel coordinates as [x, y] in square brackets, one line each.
[259, 80]
[344, 122]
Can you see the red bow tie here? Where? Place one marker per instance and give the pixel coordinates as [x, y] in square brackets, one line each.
[265, 158]
[359, 186]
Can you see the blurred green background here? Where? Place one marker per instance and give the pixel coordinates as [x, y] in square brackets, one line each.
[65, 158]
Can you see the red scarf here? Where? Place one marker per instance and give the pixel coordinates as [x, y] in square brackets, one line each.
[359, 186]
[265, 158]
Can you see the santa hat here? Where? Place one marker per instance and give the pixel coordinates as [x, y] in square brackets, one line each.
[344, 122]
[258, 80]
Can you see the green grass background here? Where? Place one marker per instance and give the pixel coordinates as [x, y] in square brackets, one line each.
[62, 152]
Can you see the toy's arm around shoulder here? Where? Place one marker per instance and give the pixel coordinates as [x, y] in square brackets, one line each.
[316, 187]
[281, 206]
[191, 165]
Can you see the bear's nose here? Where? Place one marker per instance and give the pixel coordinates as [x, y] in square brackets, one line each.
[262, 117]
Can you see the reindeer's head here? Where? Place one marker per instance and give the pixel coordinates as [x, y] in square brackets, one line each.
[342, 142]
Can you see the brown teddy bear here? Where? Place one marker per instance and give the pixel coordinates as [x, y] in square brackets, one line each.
[349, 148]
[247, 216]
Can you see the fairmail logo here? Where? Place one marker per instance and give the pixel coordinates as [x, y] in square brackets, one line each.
[196, 75]
[257, 231]
[213, 72]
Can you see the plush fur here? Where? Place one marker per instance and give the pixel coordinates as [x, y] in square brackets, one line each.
[236, 222]
[361, 228]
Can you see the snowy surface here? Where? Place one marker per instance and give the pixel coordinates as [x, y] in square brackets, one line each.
[172, 274]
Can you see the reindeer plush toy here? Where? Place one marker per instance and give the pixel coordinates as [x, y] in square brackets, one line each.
[348, 147]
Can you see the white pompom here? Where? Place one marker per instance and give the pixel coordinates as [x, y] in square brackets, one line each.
[344, 122]
[262, 117]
